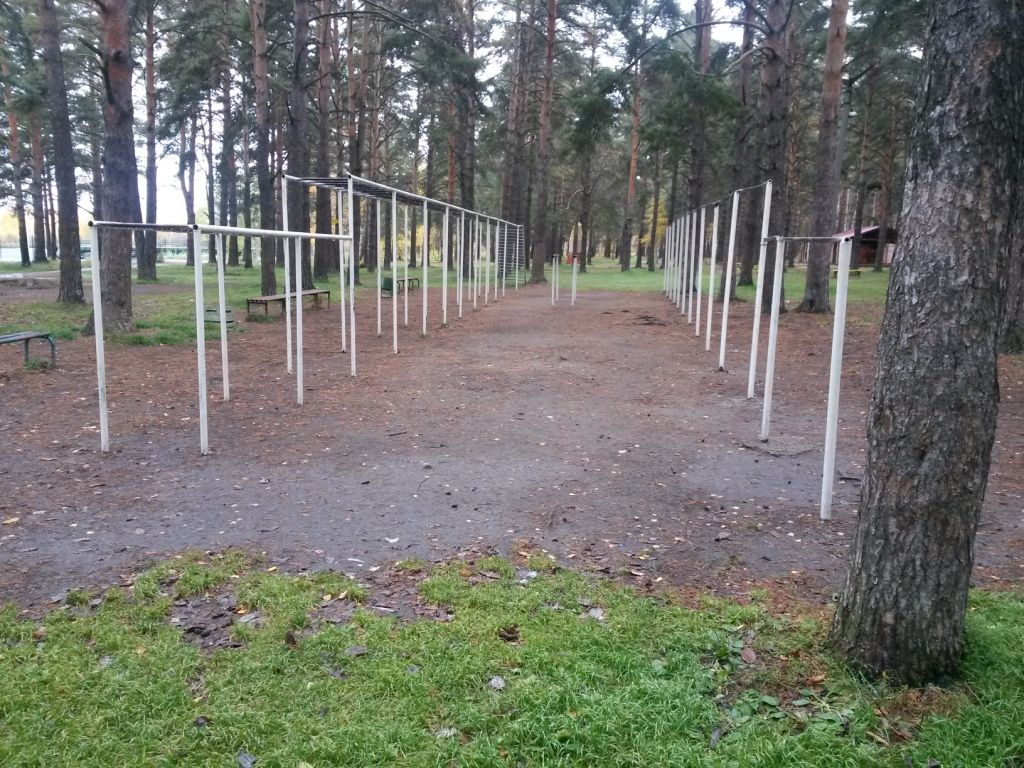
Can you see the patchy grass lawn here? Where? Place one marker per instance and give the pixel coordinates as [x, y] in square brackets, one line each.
[604, 275]
[524, 668]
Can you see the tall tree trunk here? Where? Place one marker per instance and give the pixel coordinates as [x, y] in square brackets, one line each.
[702, 55]
[540, 231]
[933, 415]
[38, 207]
[187, 176]
[742, 170]
[51, 216]
[298, 151]
[830, 160]
[626, 238]
[324, 250]
[70, 291]
[888, 165]
[120, 171]
[774, 123]
[229, 165]
[246, 191]
[354, 103]
[264, 178]
[211, 177]
[146, 261]
[652, 241]
[14, 145]
[862, 185]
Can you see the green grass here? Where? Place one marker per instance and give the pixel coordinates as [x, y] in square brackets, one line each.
[591, 674]
[9, 266]
[169, 318]
[604, 275]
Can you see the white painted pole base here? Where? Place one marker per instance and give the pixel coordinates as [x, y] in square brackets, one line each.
[835, 379]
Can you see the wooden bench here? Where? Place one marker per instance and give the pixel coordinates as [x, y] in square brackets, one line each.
[388, 284]
[317, 294]
[26, 337]
[853, 272]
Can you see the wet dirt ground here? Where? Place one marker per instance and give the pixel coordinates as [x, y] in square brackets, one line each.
[602, 434]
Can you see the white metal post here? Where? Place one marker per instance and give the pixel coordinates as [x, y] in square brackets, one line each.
[405, 269]
[204, 434]
[287, 273]
[223, 313]
[394, 271]
[693, 268]
[476, 260]
[299, 367]
[684, 259]
[673, 286]
[341, 276]
[380, 268]
[553, 274]
[504, 260]
[701, 237]
[487, 261]
[759, 294]
[426, 263]
[461, 253]
[352, 251]
[668, 250]
[711, 279]
[773, 337]
[835, 378]
[97, 322]
[575, 272]
[727, 277]
[444, 270]
[518, 234]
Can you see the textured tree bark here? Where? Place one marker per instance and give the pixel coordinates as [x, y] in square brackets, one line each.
[38, 208]
[298, 151]
[146, 260]
[698, 154]
[70, 291]
[888, 167]
[120, 171]
[324, 251]
[743, 171]
[540, 230]
[829, 165]
[774, 125]
[187, 177]
[626, 238]
[936, 394]
[264, 178]
[14, 145]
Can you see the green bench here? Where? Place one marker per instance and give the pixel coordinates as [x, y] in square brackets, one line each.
[387, 285]
[27, 336]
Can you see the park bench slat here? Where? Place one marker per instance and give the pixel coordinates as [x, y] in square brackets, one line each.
[316, 293]
[26, 337]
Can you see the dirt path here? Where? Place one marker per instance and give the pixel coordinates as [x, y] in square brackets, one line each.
[602, 434]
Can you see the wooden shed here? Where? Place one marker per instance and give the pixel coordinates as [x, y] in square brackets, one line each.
[869, 246]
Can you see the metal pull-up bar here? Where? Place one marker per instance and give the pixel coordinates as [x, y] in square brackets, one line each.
[192, 230]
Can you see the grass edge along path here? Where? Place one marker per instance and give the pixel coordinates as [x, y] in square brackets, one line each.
[531, 665]
[167, 316]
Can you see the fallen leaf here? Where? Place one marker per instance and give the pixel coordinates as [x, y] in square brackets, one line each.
[748, 655]
[509, 634]
[11, 520]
